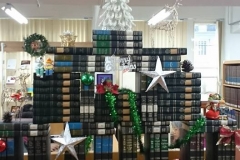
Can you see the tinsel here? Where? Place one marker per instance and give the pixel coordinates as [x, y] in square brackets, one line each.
[88, 142]
[136, 120]
[111, 101]
[198, 126]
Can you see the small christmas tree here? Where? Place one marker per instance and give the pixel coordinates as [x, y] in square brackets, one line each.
[116, 15]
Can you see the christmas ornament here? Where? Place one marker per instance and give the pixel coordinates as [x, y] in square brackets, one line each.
[48, 67]
[67, 142]
[87, 79]
[187, 66]
[225, 135]
[116, 15]
[7, 117]
[158, 76]
[213, 106]
[3, 145]
[36, 45]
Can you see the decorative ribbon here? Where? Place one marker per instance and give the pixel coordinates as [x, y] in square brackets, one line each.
[237, 139]
[225, 135]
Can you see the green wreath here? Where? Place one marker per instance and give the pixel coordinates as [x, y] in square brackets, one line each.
[36, 45]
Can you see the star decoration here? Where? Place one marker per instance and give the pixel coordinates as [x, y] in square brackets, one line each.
[67, 142]
[158, 76]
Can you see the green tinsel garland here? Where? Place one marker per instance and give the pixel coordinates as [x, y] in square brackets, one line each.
[88, 142]
[111, 101]
[136, 120]
[32, 38]
[198, 126]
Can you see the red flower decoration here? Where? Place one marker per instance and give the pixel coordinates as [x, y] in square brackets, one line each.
[107, 86]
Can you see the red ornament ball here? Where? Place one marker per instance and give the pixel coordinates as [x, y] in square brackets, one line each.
[3, 146]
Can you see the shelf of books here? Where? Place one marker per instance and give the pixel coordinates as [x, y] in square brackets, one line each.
[101, 93]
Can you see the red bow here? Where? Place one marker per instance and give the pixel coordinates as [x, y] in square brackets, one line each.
[226, 135]
[237, 139]
[107, 86]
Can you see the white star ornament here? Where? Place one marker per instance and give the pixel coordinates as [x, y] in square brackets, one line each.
[158, 76]
[67, 142]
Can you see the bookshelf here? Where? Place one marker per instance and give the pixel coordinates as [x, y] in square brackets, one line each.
[231, 83]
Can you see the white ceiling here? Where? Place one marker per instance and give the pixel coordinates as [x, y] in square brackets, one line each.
[79, 9]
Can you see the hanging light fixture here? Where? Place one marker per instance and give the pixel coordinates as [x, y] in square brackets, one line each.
[12, 12]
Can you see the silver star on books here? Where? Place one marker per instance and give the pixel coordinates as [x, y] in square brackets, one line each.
[67, 142]
[158, 76]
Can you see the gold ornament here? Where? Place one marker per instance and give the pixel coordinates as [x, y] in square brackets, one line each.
[68, 39]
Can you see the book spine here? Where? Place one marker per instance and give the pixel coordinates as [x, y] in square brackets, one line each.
[179, 96]
[70, 50]
[117, 44]
[54, 119]
[57, 90]
[30, 148]
[116, 38]
[117, 51]
[55, 111]
[164, 51]
[183, 82]
[178, 117]
[163, 110]
[179, 103]
[180, 89]
[98, 147]
[78, 64]
[79, 58]
[179, 75]
[57, 104]
[164, 58]
[56, 83]
[56, 97]
[164, 146]
[78, 69]
[94, 125]
[59, 76]
[119, 33]
[28, 126]
[153, 64]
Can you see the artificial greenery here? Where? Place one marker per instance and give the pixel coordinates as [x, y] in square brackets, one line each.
[88, 142]
[33, 38]
[198, 126]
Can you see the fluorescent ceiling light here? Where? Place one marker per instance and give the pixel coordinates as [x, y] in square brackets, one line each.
[12, 12]
[163, 14]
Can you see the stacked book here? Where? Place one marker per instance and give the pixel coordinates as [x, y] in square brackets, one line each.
[56, 98]
[221, 151]
[156, 132]
[127, 141]
[25, 136]
[109, 42]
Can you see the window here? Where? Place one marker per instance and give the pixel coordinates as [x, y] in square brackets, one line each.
[206, 55]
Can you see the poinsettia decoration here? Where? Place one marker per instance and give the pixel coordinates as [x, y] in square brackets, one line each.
[107, 86]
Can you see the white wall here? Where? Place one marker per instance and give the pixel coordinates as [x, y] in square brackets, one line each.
[231, 40]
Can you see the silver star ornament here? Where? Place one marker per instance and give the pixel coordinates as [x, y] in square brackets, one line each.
[158, 76]
[67, 142]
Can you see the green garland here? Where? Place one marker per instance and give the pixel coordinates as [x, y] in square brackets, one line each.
[198, 126]
[88, 142]
[28, 45]
[136, 120]
[111, 101]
